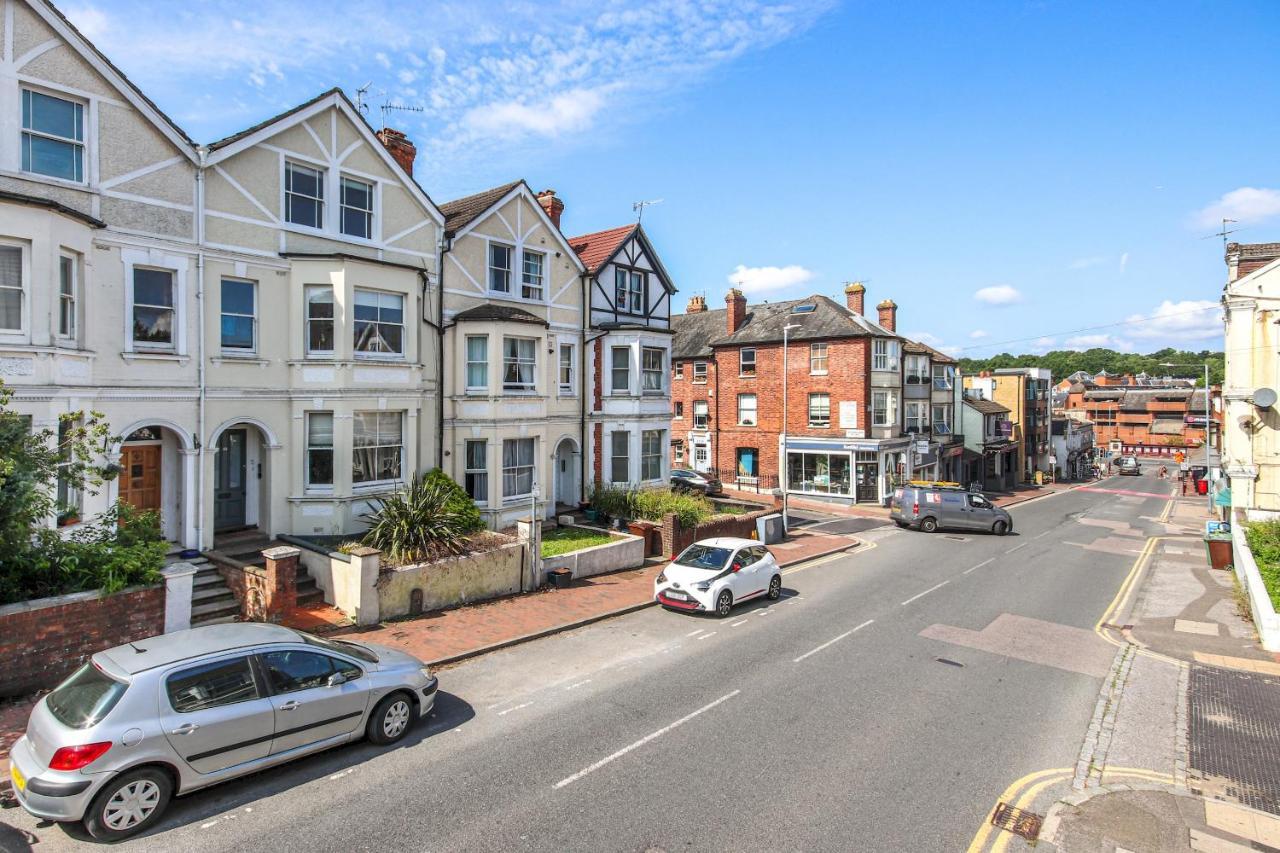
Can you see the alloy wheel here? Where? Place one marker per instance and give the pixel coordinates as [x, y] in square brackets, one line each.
[131, 805]
[396, 718]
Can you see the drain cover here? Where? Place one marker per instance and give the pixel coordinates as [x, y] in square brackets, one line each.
[1017, 821]
[1115, 627]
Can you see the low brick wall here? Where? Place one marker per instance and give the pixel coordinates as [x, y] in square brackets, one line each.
[676, 537]
[422, 587]
[265, 594]
[43, 640]
[624, 552]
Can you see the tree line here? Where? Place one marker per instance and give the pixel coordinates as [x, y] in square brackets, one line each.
[1062, 363]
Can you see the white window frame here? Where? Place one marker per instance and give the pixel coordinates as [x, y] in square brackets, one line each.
[651, 455]
[947, 377]
[468, 362]
[68, 302]
[819, 351]
[648, 373]
[307, 320]
[370, 214]
[321, 180]
[944, 422]
[519, 387]
[530, 282]
[75, 497]
[700, 379]
[402, 446]
[920, 420]
[404, 308]
[629, 291]
[744, 362]
[615, 457]
[82, 144]
[705, 415]
[24, 291]
[175, 264]
[490, 269]
[614, 368]
[915, 367]
[515, 470]
[175, 323]
[568, 387]
[880, 354]
[753, 409]
[477, 474]
[309, 447]
[884, 414]
[677, 369]
[222, 311]
[820, 422]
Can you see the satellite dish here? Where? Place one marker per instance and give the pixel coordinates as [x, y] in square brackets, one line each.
[1264, 398]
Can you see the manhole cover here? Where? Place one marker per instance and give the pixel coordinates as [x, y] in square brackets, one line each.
[1017, 821]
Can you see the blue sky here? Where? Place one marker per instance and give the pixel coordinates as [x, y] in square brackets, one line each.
[1006, 172]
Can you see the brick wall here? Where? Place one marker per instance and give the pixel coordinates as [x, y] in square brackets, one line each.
[265, 593]
[687, 392]
[42, 641]
[675, 537]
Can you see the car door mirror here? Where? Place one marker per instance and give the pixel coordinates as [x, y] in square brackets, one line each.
[736, 567]
[341, 677]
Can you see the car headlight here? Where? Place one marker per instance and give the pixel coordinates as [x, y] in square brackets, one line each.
[426, 671]
[661, 578]
[702, 587]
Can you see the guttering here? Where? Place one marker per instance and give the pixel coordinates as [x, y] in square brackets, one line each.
[443, 245]
[200, 369]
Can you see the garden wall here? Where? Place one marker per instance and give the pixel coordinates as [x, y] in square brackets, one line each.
[624, 552]
[1265, 618]
[451, 581]
[43, 640]
[676, 537]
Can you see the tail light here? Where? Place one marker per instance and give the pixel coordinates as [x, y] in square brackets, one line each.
[75, 757]
[915, 509]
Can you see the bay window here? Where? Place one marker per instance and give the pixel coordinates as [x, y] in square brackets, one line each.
[319, 468]
[943, 377]
[619, 461]
[917, 416]
[476, 476]
[319, 320]
[519, 364]
[651, 454]
[620, 371]
[916, 370]
[12, 291]
[884, 354]
[884, 408]
[517, 467]
[377, 447]
[379, 323]
[653, 368]
[477, 362]
[942, 420]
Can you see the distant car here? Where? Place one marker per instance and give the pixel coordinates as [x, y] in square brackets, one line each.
[1128, 465]
[163, 716]
[712, 575]
[930, 506]
[686, 480]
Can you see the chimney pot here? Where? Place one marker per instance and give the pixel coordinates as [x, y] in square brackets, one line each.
[855, 295]
[888, 311]
[697, 304]
[552, 205]
[737, 305]
[401, 148]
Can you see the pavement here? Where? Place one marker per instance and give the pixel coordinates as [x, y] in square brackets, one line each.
[882, 704]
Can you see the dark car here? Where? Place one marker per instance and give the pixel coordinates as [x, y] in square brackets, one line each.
[1128, 465]
[686, 480]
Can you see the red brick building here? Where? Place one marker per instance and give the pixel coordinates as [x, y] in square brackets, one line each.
[845, 393]
[1147, 420]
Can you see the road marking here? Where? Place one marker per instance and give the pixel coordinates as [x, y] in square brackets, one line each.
[1042, 535]
[578, 684]
[569, 780]
[516, 708]
[980, 565]
[980, 839]
[1016, 547]
[835, 640]
[739, 622]
[923, 594]
[764, 612]
[343, 773]
[704, 636]
[699, 631]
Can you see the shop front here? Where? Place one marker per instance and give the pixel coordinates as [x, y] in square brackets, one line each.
[843, 471]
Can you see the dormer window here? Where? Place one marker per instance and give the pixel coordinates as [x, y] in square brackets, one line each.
[303, 195]
[630, 291]
[52, 136]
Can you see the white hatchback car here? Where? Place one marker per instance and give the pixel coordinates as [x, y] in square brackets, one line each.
[712, 575]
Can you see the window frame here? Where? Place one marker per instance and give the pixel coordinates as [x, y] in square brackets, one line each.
[651, 455]
[677, 369]
[819, 423]
[356, 350]
[309, 448]
[890, 408]
[947, 379]
[743, 362]
[152, 346]
[647, 373]
[468, 362]
[74, 498]
[921, 422]
[706, 415]
[568, 385]
[322, 177]
[915, 369]
[473, 476]
[696, 379]
[614, 390]
[378, 447]
[615, 457]
[814, 357]
[630, 291]
[308, 320]
[370, 213]
[24, 296]
[935, 422]
[532, 466]
[531, 386]
[678, 411]
[754, 409]
[68, 300]
[80, 146]
[253, 318]
[508, 270]
[541, 275]
[737, 464]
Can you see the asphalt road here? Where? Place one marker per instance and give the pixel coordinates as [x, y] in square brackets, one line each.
[822, 722]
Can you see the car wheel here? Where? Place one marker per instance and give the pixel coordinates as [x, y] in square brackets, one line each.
[929, 525]
[391, 720]
[1000, 529]
[724, 603]
[775, 588]
[128, 804]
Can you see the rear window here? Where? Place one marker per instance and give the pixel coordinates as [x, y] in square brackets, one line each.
[85, 698]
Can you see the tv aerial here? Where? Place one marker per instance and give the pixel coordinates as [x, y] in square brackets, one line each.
[391, 108]
[639, 207]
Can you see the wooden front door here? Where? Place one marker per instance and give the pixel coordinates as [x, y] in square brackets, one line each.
[140, 476]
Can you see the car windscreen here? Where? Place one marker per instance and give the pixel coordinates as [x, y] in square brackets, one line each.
[339, 646]
[85, 698]
[704, 557]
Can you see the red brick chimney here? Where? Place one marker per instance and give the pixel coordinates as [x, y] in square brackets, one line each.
[697, 304]
[404, 151]
[888, 314]
[552, 205]
[855, 295]
[737, 305]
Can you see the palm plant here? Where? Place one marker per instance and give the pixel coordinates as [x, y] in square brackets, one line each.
[417, 523]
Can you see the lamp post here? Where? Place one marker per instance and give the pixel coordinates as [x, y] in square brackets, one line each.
[1208, 422]
[782, 463]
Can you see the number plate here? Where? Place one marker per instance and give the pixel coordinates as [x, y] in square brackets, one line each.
[678, 596]
[19, 781]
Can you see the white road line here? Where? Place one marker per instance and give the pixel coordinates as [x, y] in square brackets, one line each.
[699, 631]
[516, 708]
[578, 684]
[569, 780]
[1016, 547]
[704, 636]
[1041, 535]
[923, 594]
[829, 642]
[980, 565]
[739, 622]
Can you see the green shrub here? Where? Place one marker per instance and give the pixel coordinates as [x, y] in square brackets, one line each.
[459, 501]
[1264, 541]
[614, 501]
[419, 523]
[654, 504]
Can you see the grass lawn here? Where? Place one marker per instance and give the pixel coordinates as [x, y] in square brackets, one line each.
[562, 540]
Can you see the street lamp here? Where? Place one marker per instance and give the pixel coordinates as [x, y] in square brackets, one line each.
[1208, 422]
[782, 463]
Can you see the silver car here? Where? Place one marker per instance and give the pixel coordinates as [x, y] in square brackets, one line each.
[153, 718]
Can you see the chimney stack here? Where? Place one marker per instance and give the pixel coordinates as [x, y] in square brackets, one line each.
[855, 295]
[697, 304]
[737, 305]
[888, 314]
[552, 205]
[400, 147]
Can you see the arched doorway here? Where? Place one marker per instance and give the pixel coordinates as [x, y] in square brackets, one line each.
[241, 476]
[566, 474]
[155, 461]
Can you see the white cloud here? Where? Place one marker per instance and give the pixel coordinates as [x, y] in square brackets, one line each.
[759, 279]
[1190, 319]
[1246, 204]
[572, 112]
[998, 294]
[976, 334]
[1086, 263]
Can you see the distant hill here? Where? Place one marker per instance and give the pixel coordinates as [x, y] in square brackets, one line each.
[1063, 363]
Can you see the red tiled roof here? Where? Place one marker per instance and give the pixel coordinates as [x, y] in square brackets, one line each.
[594, 249]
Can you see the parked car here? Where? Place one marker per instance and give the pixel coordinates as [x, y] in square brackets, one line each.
[154, 718]
[930, 506]
[1128, 465]
[686, 480]
[712, 575]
